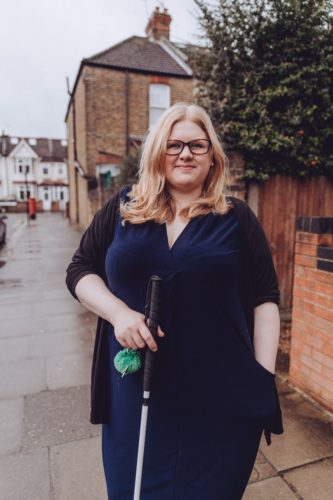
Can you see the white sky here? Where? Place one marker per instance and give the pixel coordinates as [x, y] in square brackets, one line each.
[43, 41]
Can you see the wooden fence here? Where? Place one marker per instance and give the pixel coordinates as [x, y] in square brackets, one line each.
[280, 200]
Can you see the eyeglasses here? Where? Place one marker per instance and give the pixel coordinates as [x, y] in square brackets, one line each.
[197, 147]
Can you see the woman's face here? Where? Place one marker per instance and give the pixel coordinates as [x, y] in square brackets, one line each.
[187, 171]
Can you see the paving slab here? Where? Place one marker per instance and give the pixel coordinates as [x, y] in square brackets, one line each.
[262, 469]
[11, 422]
[57, 293]
[273, 488]
[9, 311]
[21, 378]
[14, 349]
[314, 481]
[77, 471]
[44, 345]
[305, 438]
[51, 344]
[68, 370]
[18, 327]
[67, 322]
[54, 307]
[25, 476]
[20, 297]
[56, 417]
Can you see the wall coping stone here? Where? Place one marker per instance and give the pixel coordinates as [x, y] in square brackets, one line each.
[316, 225]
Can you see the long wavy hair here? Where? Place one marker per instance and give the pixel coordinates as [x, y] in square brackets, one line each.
[149, 198]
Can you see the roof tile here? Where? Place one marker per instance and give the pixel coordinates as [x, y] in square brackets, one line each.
[139, 54]
[51, 150]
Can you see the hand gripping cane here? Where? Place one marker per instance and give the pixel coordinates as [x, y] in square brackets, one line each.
[152, 314]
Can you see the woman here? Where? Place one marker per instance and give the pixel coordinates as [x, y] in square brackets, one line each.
[214, 390]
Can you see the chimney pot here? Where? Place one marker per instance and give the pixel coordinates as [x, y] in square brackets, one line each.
[158, 26]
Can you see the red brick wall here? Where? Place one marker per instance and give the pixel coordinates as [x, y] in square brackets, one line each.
[311, 355]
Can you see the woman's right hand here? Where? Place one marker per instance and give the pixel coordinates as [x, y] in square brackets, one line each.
[131, 330]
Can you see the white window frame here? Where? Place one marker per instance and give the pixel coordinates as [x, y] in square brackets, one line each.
[159, 101]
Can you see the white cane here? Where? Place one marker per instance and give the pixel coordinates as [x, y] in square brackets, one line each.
[152, 313]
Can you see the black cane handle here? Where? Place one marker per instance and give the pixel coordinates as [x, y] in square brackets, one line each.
[153, 307]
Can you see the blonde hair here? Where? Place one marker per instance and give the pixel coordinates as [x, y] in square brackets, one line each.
[149, 198]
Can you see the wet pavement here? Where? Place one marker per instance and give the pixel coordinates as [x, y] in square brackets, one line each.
[48, 449]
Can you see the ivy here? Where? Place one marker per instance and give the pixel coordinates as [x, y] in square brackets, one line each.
[265, 77]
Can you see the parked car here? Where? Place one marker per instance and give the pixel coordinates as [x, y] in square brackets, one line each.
[3, 228]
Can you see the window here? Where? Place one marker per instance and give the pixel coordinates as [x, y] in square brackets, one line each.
[159, 101]
[22, 194]
[45, 170]
[23, 166]
[61, 195]
[60, 171]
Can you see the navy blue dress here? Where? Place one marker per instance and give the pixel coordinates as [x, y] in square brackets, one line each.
[210, 396]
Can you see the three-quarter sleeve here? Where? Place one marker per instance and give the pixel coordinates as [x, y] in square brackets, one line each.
[265, 283]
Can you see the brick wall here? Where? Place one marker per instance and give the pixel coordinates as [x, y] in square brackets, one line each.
[311, 355]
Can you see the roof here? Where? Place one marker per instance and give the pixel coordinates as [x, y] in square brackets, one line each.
[140, 55]
[52, 150]
[144, 55]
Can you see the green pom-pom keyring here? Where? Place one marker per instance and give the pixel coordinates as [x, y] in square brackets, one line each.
[127, 361]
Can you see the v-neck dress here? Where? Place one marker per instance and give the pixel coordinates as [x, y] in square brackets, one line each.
[210, 396]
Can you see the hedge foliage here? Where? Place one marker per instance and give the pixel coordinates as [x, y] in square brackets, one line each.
[265, 77]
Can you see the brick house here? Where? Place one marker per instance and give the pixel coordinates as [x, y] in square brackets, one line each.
[33, 167]
[118, 94]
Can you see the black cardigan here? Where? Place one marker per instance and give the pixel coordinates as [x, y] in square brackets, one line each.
[259, 286]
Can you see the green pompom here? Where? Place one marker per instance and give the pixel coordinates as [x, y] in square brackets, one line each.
[127, 361]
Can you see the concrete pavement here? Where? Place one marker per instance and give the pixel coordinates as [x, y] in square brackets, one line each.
[48, 449]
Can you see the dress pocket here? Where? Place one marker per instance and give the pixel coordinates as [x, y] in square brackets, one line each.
[261, 367]
[252, 391]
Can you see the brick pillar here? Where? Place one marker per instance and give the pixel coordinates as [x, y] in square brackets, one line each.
[311, 355]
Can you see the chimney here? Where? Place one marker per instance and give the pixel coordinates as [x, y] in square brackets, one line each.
[159, 25]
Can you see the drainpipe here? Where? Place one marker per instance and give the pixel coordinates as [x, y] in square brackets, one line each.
[127, 84]
[72, 98]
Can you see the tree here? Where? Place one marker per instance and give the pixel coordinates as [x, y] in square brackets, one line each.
[265, 77]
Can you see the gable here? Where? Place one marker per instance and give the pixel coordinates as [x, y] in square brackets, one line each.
[23, 150]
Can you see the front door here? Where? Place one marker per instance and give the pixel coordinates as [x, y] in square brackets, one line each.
[46, 199]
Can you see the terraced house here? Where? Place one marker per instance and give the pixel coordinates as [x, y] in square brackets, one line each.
[33, 168]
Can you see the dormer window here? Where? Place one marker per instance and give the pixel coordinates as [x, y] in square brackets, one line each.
[159, 101]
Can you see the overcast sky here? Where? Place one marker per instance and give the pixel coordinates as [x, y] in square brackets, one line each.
[43, 41]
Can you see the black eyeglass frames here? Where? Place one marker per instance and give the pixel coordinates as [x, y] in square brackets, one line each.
[197, 147]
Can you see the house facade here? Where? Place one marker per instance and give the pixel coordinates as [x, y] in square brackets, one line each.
[118, 94]
[33, 168]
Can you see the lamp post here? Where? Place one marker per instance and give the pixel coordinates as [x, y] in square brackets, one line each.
[27, 192]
